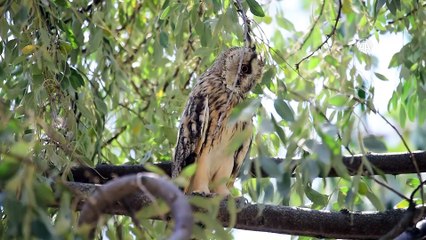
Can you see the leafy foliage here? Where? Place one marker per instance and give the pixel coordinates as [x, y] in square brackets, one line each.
[91, 82]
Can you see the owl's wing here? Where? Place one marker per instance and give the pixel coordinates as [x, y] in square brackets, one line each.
[192, 132]
[240, 155]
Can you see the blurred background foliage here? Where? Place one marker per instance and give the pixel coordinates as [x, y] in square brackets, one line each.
[91, 82]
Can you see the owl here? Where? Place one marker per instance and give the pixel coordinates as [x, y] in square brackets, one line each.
[206, 136]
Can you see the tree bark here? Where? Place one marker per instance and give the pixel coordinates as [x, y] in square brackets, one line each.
[394, 163]
[283, 219]
[118, 189]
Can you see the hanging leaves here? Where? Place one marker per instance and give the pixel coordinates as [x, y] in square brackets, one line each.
[255, 8]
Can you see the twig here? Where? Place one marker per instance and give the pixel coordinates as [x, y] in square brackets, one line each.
[417, 189]
[333, 31]
[312, 28]
[390, 189]
[246, 23]
[405, 16]
[109, 141]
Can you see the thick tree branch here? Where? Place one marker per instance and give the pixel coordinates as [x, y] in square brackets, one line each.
[285, 220]
[394, 163]
[117, 189]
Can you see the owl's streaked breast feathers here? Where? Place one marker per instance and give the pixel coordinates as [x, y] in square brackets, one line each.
[205, 135]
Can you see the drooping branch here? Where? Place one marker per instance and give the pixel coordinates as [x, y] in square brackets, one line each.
[311, 30]
[333, 31]
[394, 164]
[152, 184]
[286, 220]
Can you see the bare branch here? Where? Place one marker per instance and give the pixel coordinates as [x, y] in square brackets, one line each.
[401, 164]
[119, 188]
[246, 23]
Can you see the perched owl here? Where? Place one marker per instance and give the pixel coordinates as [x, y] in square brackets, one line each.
[206, 136]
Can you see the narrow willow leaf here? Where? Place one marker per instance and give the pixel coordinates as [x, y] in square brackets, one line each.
[316, 197]
[255, 8]
[165, 13]
[8, 169]
[378, 4]
[374, 144]
[338, 100]
[164, 40]
[76, 79]
[27, 50]
[377, 203]
[284, 110]
[381, 77]
[413, 182]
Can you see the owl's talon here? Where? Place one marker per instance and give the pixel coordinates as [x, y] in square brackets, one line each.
[203, 194]
[240, 202]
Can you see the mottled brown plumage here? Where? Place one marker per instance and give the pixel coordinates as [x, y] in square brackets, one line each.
[205, 134]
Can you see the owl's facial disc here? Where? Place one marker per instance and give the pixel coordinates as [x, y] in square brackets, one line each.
[243, 69]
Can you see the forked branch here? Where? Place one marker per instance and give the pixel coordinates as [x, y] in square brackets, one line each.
[123, 187]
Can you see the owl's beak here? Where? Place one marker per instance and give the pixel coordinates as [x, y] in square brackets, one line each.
[259, 57]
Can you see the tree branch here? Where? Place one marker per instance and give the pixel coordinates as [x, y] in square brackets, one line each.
[117, 189]
[283, 219]
[394, 163]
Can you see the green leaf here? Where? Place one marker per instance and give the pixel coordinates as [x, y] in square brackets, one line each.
[244, 110]
[313, 63]
[270, 167]
[285, 24]
[402, 204]
[165, 13]
[284, 110]
[154, 169]
[278, 130]
[381, 77]
[376, 201]
[164, 39]
[378, 4]
[44, 194]
[316, 197]
[76, 79]
[413, 182]
[63, 3]
[338, 100]
[374, 144]
[101, 105]
[391, 4]
[8, 168]
[40, 230]
[21, 149]
[255, 8]
[331, 60]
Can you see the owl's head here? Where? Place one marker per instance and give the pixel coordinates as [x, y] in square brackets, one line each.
[241, 67]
